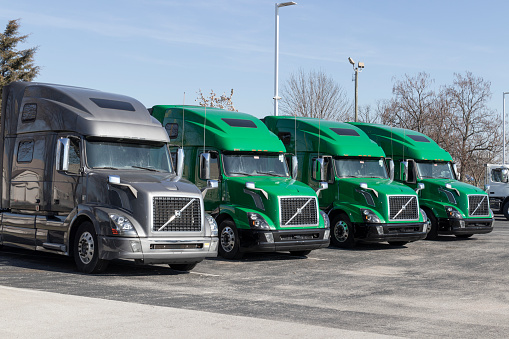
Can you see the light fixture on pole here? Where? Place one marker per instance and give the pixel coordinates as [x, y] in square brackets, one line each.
[503, 127]
[357, 70]
[276, 66]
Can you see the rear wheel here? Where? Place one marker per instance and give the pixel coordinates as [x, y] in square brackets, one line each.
[433, 223]
[183, 267]
[229, 242]
[342, 232]
[86, 251]
[398, 243]
[300, 253]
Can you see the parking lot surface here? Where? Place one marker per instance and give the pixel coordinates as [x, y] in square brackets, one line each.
[445, 288]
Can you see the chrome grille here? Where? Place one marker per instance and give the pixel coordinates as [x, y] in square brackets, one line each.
[478, 205]
[176, 214]
[403, 207]
[300, 211]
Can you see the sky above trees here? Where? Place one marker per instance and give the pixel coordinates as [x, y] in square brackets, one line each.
[157, 50]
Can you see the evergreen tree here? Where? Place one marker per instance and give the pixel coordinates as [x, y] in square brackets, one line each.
[15, 65]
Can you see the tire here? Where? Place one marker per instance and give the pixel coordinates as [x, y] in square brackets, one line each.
[505, 210]
[342, 232]
[433, 233]
[183, 267]
[398, 243]
[300, 253]
[229, 242]
[463, 236]
[86, 251]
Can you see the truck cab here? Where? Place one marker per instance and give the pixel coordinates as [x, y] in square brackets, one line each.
[361, 199]
[258, 206]
[453, 207]
[88, 174]
[497, 184]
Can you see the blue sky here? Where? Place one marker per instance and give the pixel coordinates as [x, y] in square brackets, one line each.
[157, 50]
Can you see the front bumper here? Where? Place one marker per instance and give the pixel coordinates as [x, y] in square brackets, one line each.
[158, 250]
[283, 240]
[391, 232]
[465, 226]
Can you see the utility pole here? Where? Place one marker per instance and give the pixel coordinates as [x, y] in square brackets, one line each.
[357, 70]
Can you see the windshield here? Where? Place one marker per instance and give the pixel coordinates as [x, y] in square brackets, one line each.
[122, 155]
[243, 165]
[437, 170]
[361, 168]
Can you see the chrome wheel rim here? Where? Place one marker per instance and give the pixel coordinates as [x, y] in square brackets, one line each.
[86, 247]
[227, 239]
[341, 231]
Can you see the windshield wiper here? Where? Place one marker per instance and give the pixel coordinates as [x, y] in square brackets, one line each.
[146, 168]
[105, 167]
[241, 173]
[272, 173]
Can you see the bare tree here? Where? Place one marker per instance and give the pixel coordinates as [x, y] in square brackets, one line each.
[315, 95]
[222, 101]
[475, 126]
[367, 115]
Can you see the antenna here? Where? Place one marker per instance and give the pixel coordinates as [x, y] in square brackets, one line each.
[319, 131]
[183, 120]
[204, 125]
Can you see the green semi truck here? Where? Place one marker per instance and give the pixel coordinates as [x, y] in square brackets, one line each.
[452, 206]
[362, 200]
[257, 204]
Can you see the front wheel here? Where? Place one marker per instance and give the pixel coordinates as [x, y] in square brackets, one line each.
[229, 242]
[433, 222]
[183, 267]
[505, 210]
[86, 252]
[342, 232]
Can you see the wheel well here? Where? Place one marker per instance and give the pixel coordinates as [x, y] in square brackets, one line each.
[74, 228]
[428, 211]
[336, 212]
[222, 217]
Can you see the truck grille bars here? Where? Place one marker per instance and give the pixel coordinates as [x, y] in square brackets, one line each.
[478, 205]
[403, 207]
[176, 214]
[301, 211]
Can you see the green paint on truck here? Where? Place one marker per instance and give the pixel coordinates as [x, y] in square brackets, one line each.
[453, 207]
[362, 201]
[257, 204]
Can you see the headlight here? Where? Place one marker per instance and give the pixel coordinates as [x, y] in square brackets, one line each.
[424, 215]
[452, 213]
[326, 221]
[213, 224]
[369, 216]
[256, 221]
[121, 225]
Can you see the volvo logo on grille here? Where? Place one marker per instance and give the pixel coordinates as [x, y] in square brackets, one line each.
[177, 214]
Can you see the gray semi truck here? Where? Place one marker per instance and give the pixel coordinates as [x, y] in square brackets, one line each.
[88, 174]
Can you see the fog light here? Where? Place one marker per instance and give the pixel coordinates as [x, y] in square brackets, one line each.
[462, 224]
[135, 246]
[380, 229]
[326, 234]
[269, 237]
[213, 245]
[425, 228]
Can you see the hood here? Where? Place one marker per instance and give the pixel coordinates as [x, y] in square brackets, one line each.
[135, 188]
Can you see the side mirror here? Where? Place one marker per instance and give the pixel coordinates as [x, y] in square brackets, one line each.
[486, 188]
[205, 166]
[113, 179]
[180, 162]
[318, 169]
[404, 170]
[322, 186]
[295, 167]
[420, 186]
[505, 175]
[211, 184]
[62, 160]
[363, 185]
[455, 169]
[391, 169]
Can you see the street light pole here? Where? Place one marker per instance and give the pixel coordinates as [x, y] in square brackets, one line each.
[503, 127]
[276, 63]
[357, 70]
